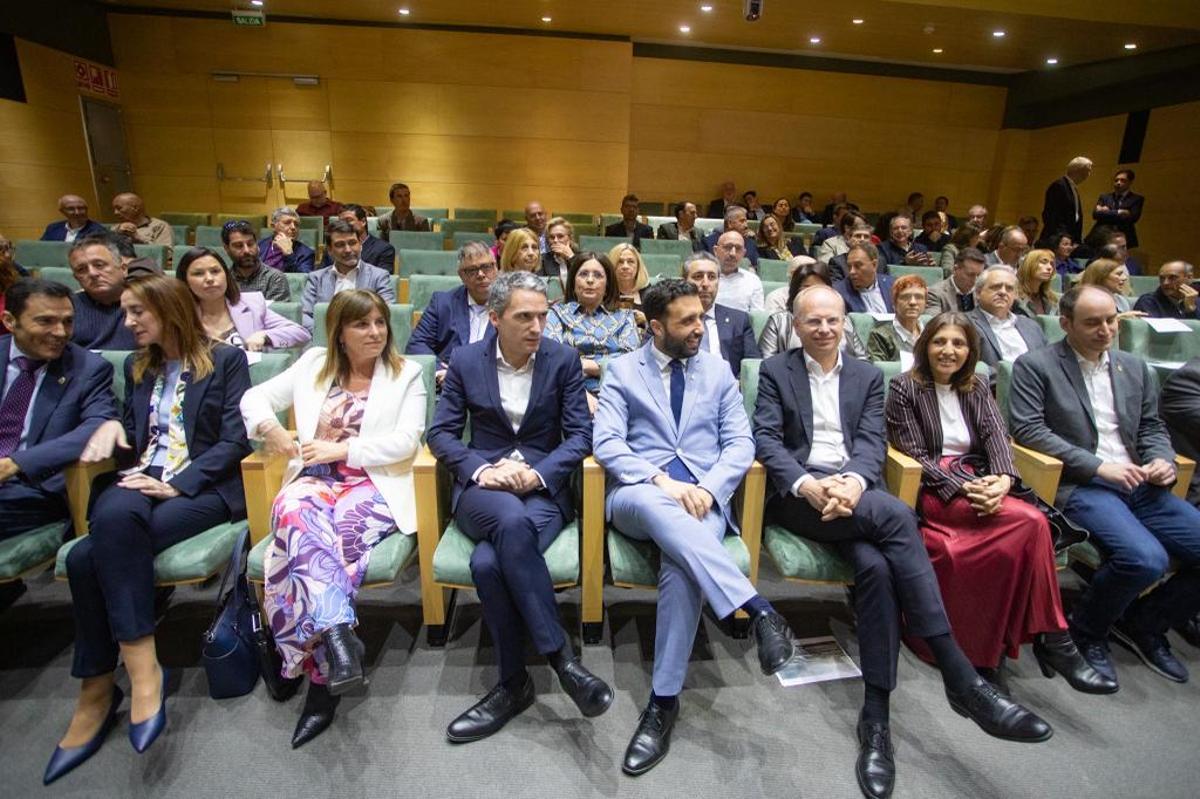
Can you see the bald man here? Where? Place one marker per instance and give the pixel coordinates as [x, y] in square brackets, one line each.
[75, 224]
[319, 203]
[134, 222]
[536, 219]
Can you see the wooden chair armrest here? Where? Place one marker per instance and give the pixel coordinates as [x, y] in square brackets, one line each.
[79, 477]
[262, 477]
[1185, 468]
[903, 476]
[592, 542]
[1039, 472]
[753, 500]
[431, 523]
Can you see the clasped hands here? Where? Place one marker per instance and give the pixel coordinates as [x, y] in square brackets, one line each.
[109, 437]
[1130, 476]
[986, 493]
[510, 475]
[278, 441]
[835, 496]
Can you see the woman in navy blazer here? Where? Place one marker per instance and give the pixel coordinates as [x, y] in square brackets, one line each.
[230, 315]
[178, 448]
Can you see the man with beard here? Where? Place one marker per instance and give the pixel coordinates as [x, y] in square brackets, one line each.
[241, 244]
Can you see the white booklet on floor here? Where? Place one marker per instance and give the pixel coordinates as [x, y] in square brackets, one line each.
[817, 660]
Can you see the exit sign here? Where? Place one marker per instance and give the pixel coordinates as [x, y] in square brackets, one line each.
[248, 17]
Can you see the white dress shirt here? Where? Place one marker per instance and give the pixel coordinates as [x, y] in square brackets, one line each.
[515, 387]
[479, 320]
[1012, 346]
[663, 361]
[1109, 447]
[73, 233]
[873, 299]
[346, 282]
[741, 290]
[956, 438]
[11, 374]
[712, 340]
[828, 450]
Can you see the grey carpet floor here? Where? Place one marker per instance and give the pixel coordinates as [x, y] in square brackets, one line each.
[739, 734]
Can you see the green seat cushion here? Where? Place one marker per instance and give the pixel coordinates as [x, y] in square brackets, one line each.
[22, 552]
[635, 562]
[197, 558]
[1087, 554]
[387, 559]
[452, 558]
[801, 559]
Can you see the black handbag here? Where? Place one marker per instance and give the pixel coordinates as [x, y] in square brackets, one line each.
[1064, 532]
[237, 648]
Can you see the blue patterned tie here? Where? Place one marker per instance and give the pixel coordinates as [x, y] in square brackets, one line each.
[16, 404]
[677, 389]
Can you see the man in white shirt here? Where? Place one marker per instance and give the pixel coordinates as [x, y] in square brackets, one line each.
[727, 331]
[1012, 248]
[865, 289]
[1095, 408]
[347, 272]
[75, 223]
[1003, 335]
[739, 289]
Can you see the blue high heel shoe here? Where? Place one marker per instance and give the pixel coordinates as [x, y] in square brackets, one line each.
[144, 733]
[64, 760]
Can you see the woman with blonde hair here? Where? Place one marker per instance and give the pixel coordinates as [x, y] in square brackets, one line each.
[1113, 277]
[773, 244]
[521, 252]
[1035, 284]
[560, 249]
[178, 449]
[360, 413]
[632, 277]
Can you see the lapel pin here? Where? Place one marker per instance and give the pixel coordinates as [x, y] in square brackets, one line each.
[62, 380]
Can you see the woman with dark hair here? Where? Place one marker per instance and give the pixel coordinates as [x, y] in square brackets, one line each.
[1064, 247]
[992, 552]
[589, 318]
[179, 447]
[781, 209]
[360, 413]
[779, 334]
[230, 315]
[964, 236]
[773, 244]
[9, 273]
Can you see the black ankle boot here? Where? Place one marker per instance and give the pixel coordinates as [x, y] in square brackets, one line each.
[317, 715]
[344, 653]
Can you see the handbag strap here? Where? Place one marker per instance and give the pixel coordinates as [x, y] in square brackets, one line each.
[237, 563]
[958, 467]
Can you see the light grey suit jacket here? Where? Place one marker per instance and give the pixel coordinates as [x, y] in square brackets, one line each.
[322, 283]
[989, 345]
[941, 296]
[1052, 413]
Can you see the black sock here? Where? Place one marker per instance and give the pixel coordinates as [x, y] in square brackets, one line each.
[957, 671]
[560, 658]
[665, 702]
[876, 704]
[515, 682]
[756, 605]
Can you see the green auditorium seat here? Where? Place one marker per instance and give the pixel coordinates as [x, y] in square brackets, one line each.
[1051, 328]
[772, 270]
[516, 216]
[288, 310]
[463, 237]
[1136, 336]
[427, 262]
[449, 227]
[180, 233]
[186, 219]
[432, 214]
[209, 236]
[256, 220]
[863, 324]
[28, 553]
[422, 287]
[296, 281]
[662, 266]
[758, 321]
[1142, 284]
[608, 219]
[36, 254]
[601, 243]
[59, 274]
[771, 285]
[475, 213]
[666, 246]
[157, 252]
[578, 220]
[415, 240]
[930, 274]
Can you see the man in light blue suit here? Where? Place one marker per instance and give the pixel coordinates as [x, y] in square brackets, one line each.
[673, 436]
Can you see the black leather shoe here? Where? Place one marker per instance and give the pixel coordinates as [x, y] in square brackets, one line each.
[589, 693]
[1095, 652]
[1058, 653]
[774, 639]
[1152, 649]
[1190, 630]
[490, 714]
[998, 677]
[998, 716]
[319, 708]
[651, 740]
[345, 653]
[876, 768]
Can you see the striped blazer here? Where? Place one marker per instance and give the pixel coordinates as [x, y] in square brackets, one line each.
[915, 428]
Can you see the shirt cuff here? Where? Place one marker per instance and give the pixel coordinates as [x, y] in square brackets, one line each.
[479, 471]
[801, 480]
[541, 480]
[861, 480]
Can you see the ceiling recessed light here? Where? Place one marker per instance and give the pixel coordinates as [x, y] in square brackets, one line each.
[547, 19]
[1051, 61]
[404, 12]
[685, 29]
[937, 50]
[814, 40]
[706, 8]
[256, 2]
[998, 34]
[1131, 46]
[857, 21]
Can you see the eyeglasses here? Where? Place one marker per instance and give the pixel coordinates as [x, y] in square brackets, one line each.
[475, 271]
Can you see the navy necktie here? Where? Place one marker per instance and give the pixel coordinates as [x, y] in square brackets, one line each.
[677, 389]
[966, 302]
[16, 405]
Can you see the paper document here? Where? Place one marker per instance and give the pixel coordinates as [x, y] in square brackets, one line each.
[817, 660]
[1166, 325]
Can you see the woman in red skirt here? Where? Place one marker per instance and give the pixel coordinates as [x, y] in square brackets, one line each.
[992, 553]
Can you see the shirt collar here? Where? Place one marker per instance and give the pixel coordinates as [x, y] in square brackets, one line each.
[500, 361]
[1087, 366]
[904, 333]
[663, 361]
[814, 368]
[995, 321]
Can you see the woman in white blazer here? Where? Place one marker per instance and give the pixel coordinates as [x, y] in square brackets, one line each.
[360, 413]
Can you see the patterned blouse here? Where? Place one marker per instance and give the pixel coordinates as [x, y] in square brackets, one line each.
[593, 335]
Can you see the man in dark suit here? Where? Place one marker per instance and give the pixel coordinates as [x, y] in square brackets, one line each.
[683, 227]
[629, 224]
[1174, 298]
[457, 317]
[283, 250]
[1062, 211]
[819, 429]
[76, 224]
[1003, 335]
[1095, 408]
[55, 395]
[1180, 406]
[350, 270]
[735, 220]
[900, 248]
[727, 331]
[957, 292]
[865, 289]
[375, 251]
[716, 208]
[1121, 208]
[524, 398]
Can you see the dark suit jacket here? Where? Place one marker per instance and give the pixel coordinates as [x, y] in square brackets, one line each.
[1157, 304]
[212, 421]
[1180, 404]
[302, 259]
[709, 243]
[854, 300]
[642, 231]
[445, 325]
[1126, 224]
[989, 345]
[74, 398]
[1061, 211]
[889, 253]
[1052, 413]
[555, 433]
[914, 426]
[736, 335]
[57, 231]
[375, 251]
[670, 230]
[783, 419]
[716, 208]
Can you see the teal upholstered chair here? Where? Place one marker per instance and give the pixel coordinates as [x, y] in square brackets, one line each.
[427, 262]
[1142, 284]
[601, 243]
[422, 287]
[432, 214]
[666, 247]
[475, 213]
[772, 270]
[401, 320]
[758, 321]
[180, 233]
[462, 237]
[415, 240]
[184, 219]
[930, 274]
[1051, 328]
[58, 274]
[660, 265]
[296, 281]
[35, 254]
[1136, 336]
[209, 236]
[449, 227]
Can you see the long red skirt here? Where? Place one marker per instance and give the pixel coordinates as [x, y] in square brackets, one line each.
[996, 574]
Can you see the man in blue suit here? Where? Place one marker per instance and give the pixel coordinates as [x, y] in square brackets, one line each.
[55, 395]
[727, 331]
[75, 224]
[524, 400]
[865, 289]
[458, 316]
[672, 434]
[349, 271]
[283, 250]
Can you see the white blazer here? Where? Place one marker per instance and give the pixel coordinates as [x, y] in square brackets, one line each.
[388, 440]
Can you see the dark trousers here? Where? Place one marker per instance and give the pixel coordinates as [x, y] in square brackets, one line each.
[511, 533]
[1138, 532]
[892, 573]
[24, 507]
[111, 571]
